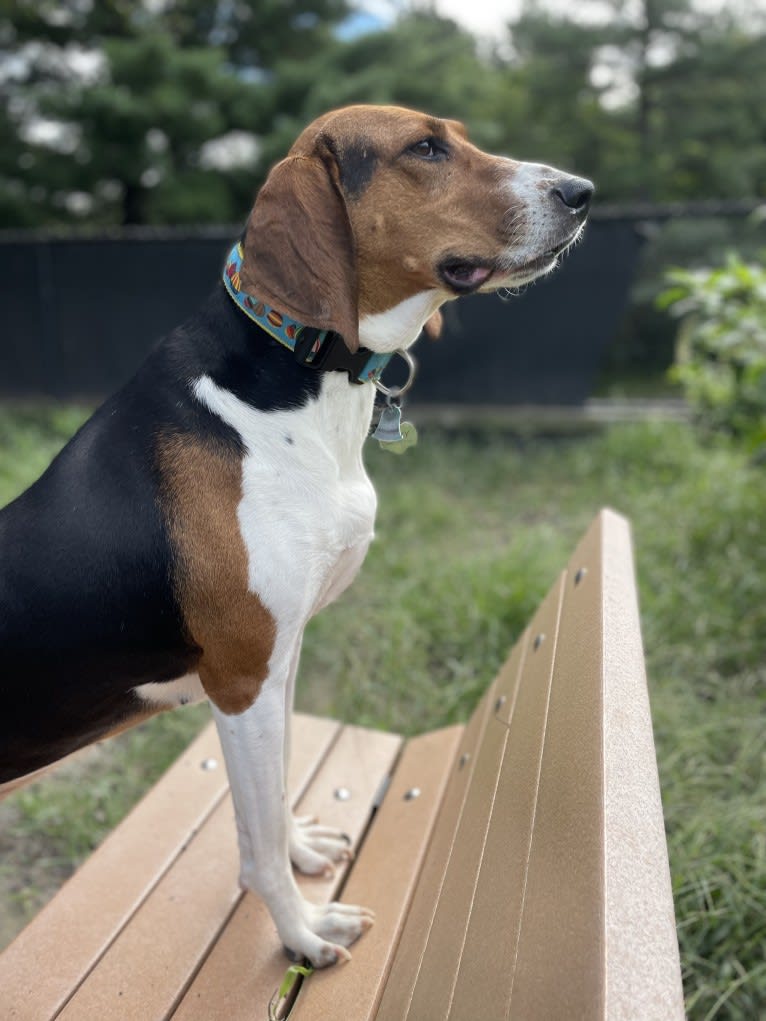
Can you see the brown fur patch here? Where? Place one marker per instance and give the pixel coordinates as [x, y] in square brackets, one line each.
[232, 628]
[414, 213]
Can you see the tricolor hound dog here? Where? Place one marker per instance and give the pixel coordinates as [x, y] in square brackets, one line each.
[177, 546]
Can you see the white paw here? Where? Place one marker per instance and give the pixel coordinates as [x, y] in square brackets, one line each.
[314, 848]
[328, 931]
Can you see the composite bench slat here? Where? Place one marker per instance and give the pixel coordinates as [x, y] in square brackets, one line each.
[383, 878]
[247, 962]
[147, 967]
[69, 934]
[598, 939]
[642, 961]
[528, 669]
[73, 932]
[571, 910]
[558, 971]
[492, 928]
[412, 940]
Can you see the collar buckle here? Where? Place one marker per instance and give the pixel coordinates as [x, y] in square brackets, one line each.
[330, 355]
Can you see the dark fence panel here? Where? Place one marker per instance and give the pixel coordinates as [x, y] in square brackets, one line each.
[544, 346]
[80, 314]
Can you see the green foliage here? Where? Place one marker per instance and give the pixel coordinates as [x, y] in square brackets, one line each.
[30, 436]
[109, 108]
[721, 353]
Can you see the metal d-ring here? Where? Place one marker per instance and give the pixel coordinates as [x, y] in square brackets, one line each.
[394, 392]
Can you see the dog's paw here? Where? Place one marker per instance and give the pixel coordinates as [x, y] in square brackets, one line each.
[330, 930]
[314, 848]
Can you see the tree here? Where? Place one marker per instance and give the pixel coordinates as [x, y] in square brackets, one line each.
[171, 112]
[110, 108]
[656, 101]
[422, 61]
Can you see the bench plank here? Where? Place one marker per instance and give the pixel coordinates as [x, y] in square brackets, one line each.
[596, 935]
[578, 920]
[115, 881]
[642, 960]
[91, 909]
[247, 963]
[383, 878]
[557, 972]
[412, 941]
[148, 965]
[441, 960]
[492, 930]
[571, 876]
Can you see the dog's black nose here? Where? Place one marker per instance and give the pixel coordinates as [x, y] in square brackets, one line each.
[575, 193]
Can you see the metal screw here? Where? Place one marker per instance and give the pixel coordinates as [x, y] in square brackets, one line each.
[463, 759]
[539, 641]
[412, 793]
[500, 703]
[582, 571]
[209, 764]
[342, 794]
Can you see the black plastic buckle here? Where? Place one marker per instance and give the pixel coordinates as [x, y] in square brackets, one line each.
[332, 356]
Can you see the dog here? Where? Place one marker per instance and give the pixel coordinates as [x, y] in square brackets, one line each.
[177, 546]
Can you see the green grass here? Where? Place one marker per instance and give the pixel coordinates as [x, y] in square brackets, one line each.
[472, 531]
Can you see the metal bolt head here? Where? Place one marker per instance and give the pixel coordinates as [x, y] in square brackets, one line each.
[539, 639]
[208, 765]
[412, 793]
[342, 794]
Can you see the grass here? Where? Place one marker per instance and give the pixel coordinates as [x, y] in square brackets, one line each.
[472, 530]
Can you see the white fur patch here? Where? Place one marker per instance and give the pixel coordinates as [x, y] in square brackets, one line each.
[182, 691]
[307, 510]
[546, 223]
[399, 327]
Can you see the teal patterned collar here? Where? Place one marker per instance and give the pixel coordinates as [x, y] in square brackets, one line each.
[317, 349]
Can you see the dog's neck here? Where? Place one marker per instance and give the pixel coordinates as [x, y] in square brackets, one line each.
[339, 409]
[399, 327]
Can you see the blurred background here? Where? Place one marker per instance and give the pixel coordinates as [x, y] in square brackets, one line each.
[133, 137]
[146, 128]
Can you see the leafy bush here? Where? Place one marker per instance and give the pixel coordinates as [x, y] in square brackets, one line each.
[721, 349]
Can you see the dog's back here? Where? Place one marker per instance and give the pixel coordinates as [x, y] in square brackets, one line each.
[87, 608]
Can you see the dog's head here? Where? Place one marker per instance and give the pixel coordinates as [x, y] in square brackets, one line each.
[379, 209]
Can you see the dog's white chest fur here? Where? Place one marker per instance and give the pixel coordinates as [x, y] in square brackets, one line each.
[307, 511]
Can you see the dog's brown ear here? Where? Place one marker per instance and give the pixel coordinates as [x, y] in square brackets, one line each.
[434, 325]
[299, 248]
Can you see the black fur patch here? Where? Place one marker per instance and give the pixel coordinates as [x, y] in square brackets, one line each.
[357, 165]
[87, 605]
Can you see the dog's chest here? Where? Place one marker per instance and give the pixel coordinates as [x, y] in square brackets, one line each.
[307, 510]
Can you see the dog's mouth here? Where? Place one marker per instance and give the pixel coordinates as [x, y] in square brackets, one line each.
[466, 275]
[523, 272]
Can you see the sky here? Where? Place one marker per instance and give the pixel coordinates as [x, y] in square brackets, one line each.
[487, 17]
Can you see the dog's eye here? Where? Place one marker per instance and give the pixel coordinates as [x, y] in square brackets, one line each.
[428, 149]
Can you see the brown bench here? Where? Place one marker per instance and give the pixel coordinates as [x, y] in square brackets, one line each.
[517, 865]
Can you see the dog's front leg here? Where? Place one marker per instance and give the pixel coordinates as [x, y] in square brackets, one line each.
[253, 744]
[313, 847]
